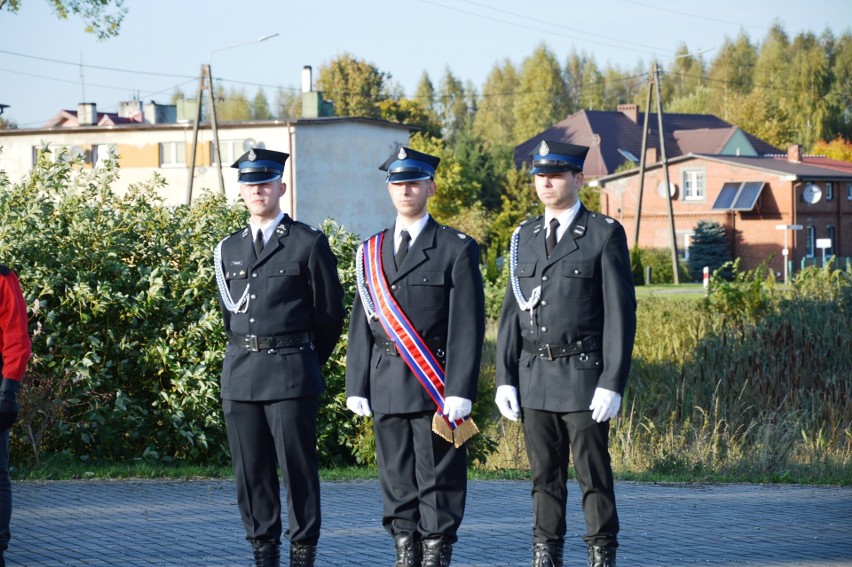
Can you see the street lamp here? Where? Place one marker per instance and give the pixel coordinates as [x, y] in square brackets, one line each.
[206, 82]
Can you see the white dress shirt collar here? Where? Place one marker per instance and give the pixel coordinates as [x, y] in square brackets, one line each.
[414, 229]
[267, 228]
[565, 219]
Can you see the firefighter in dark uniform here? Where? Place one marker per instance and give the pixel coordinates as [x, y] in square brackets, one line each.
[432, 275]
[565, 342]
[282, 305]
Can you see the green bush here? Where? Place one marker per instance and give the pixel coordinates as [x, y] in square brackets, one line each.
[127, 334]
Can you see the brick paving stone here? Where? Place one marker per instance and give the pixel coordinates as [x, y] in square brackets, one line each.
[196, 523]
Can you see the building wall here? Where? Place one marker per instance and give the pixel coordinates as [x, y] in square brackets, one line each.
[754, 234]
[338, 173]
[332, 172]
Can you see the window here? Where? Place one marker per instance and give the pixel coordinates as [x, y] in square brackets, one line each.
[230, 150]
[693, 185]
[829, 191]
[810, 241]
[829, 233]
[849, 191]
[172, 154]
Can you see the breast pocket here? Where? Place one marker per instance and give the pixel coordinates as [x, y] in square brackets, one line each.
[428, 289]
[525, 272]
[578, 277]
[285, 279]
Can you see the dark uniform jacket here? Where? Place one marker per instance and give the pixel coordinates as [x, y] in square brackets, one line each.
[294, 289]
[586, 292]
[439, 287]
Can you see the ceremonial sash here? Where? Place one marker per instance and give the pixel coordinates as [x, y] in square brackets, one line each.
[379, 302]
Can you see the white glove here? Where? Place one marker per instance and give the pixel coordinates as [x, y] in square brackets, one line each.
[605, 404]
[456, 408]
[358, 405]
[507, 401]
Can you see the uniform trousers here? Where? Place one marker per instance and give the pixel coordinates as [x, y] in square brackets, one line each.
[257, 433]
[5, 491]
[548, 437]
[423, 478]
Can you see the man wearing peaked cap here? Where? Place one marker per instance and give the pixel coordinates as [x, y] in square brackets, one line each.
[259, 165]
[556, 157]
[409, 165]
[282, 306]
[564, 345]
[415, 342]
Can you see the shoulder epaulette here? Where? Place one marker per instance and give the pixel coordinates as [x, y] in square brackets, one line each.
[603, 218]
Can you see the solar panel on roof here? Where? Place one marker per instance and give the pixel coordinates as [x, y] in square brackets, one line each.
[726, 196]
[748, 195]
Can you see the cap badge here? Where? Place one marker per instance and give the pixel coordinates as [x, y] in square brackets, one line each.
[252, 156]
[544, 149]
[401, 154]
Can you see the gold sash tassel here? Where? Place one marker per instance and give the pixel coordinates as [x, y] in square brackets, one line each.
[457, 437]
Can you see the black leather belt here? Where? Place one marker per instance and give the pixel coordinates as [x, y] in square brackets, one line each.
[552, 352]
[255, 343]
[435, 344]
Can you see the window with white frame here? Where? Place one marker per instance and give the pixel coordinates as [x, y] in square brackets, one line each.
[172, 154]
[229, 149]
[830, 234]
[694, 185]
[829, 191]
[810, 241]
[102, 152]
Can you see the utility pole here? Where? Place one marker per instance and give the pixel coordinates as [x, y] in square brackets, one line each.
[654, 85]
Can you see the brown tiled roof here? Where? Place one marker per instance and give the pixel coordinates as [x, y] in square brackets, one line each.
[606, 132]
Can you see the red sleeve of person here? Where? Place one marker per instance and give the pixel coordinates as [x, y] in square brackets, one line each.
[14, 345]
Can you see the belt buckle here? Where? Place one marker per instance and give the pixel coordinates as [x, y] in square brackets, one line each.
[549, 352]
[251, 343]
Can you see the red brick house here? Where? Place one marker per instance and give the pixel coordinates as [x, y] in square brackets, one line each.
[751, 196]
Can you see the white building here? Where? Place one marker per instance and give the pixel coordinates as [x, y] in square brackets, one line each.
[332, 170]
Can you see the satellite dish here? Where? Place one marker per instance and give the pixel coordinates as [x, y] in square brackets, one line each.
[248, 144]
[811, 194]
[661, 189]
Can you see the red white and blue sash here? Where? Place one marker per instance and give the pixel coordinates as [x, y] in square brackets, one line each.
[379, 302]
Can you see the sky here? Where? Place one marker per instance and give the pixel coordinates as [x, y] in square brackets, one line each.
[47, 64]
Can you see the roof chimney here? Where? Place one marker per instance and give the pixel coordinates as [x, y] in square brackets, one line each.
[631, 111]
[87, 114]
[307, 79]
[794, 153]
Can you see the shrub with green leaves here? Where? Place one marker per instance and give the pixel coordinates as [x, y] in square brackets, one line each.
[126, 329]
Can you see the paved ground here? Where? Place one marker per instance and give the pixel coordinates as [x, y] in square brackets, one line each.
[153, 523]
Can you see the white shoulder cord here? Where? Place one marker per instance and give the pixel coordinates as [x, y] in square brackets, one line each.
[366, 300]
[524, 303]
[240, 306]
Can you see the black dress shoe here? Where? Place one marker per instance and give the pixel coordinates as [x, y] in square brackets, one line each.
[407, 551]
[302, 555]
[547, 555]
[601, 556]
[436, 552]
[266, 554]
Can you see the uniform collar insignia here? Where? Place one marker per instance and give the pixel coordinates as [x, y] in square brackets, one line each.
[252, 156]
[401, 154]
[544, 149]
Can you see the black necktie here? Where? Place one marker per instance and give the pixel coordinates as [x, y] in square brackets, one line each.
[258, 243]
[404, 239]
[550, 242]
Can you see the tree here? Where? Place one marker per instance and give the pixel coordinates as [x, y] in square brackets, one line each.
[288, 103]
[838, 149]
[95, 13]
[355, 86]
[494, 120]
[452, 107]
[425, 92]
[413, 112]
[730, 74]
[232, 105]
[260, 106]
[710, 247]
[839, 95]
[808, 85]
[542, 97]
[685, 75]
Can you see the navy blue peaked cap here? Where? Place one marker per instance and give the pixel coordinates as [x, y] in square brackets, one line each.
[556, 157]
[260, 165]
[406, 164]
